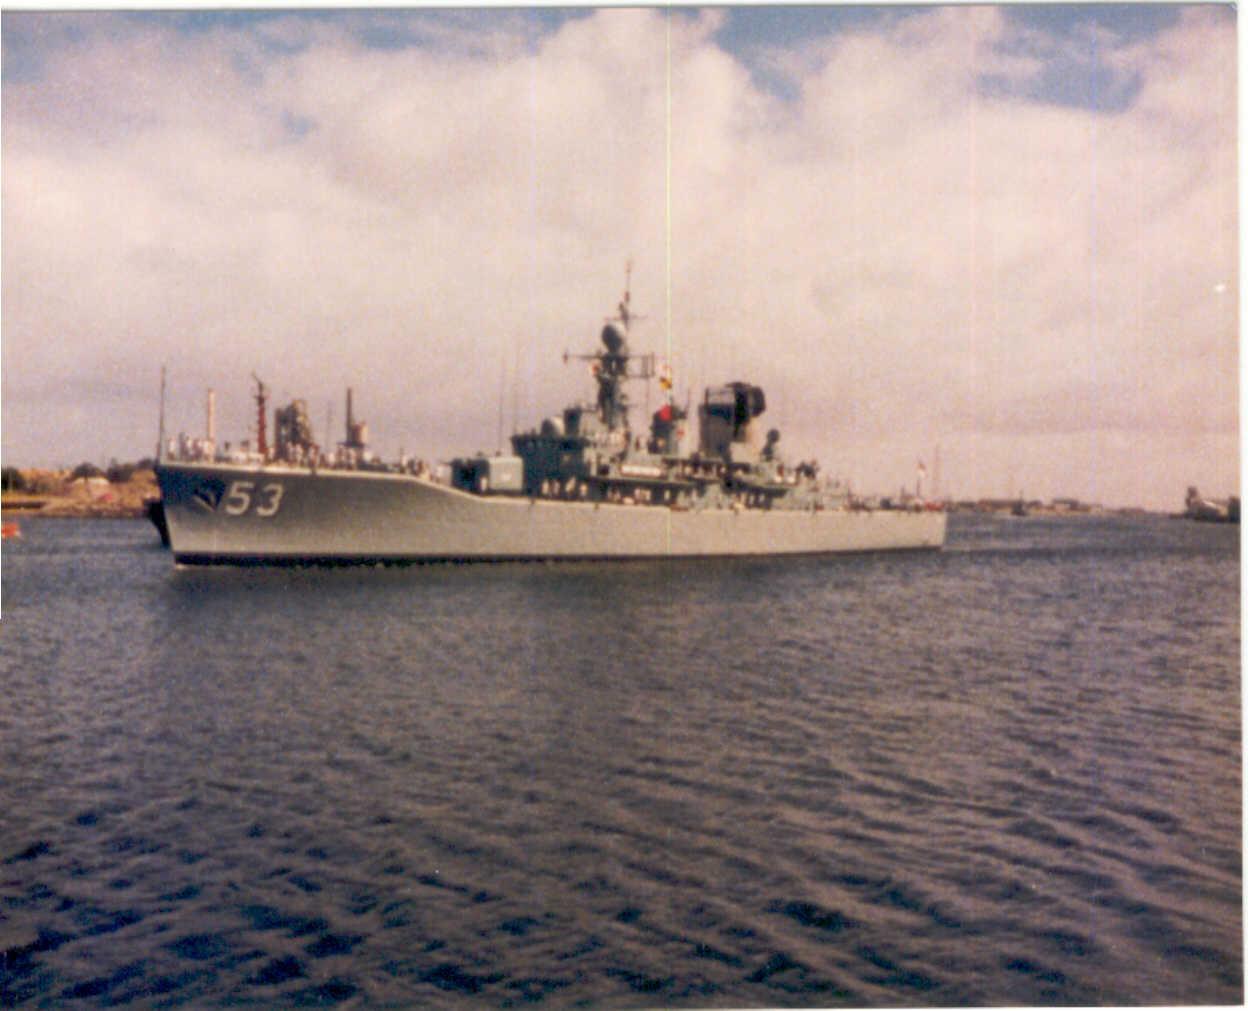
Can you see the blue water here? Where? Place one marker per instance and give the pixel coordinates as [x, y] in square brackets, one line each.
[1007, 773]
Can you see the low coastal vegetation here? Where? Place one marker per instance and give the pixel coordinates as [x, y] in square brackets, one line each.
[120, 489]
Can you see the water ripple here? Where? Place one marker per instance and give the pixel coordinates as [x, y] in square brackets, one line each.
[1008, 774]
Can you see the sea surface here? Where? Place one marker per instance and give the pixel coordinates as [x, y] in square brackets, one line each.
[1006, 773]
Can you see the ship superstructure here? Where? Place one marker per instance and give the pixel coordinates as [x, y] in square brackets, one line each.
[582, 484]
[591, 453]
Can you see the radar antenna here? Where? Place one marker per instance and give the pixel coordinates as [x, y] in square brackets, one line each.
[610, 367]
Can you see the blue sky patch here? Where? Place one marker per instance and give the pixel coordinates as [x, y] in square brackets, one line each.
[1068, 39]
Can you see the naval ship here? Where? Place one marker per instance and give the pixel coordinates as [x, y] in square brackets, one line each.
[582, 485]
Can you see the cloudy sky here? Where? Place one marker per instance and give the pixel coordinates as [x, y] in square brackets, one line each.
[1007, 236]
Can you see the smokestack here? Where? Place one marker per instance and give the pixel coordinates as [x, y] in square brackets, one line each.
[212, 417]
[350, 418]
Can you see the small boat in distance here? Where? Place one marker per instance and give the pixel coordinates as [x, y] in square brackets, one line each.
[584, 484]
[1207, 510]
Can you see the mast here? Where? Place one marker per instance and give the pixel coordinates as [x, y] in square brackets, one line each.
[502, 385]
[357, 431]
[160, 430]
[262, 400]
[611, 365]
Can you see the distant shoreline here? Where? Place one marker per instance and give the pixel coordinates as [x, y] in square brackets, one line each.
[61, 494]
[14, 515]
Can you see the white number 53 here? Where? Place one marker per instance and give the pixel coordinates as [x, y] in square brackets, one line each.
[242, 494]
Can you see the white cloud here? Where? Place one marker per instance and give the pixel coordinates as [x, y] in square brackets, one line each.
[900, 255]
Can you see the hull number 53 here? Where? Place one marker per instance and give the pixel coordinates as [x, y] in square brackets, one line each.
[244, 496]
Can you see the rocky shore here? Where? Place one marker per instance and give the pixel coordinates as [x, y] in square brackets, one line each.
[58, 493]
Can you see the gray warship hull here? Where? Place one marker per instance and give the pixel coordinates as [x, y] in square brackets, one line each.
[221, 514]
